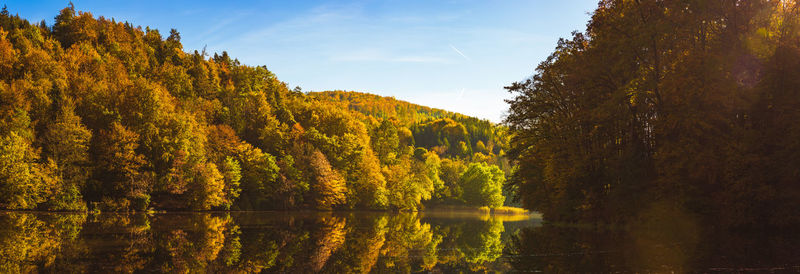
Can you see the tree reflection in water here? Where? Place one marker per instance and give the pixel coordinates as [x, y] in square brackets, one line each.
[379, 242]
[670, 249]
[29, 243]
[332, 242]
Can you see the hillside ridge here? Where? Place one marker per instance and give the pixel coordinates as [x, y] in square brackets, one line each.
[101, 115]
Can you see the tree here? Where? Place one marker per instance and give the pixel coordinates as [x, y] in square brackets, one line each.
[7, 55]
[450, 173]
[123, 182]
[67, 144]
[411, 181]
[64, 28]
[483, 185]
[24, 183]
[385, 141]
[259, 173]
[432, 169]
[232, 175]
[480, 147]
[328, 187]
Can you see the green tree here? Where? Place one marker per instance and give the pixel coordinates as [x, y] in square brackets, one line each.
[24, 183]
[408, 183]
[483, 185]
[385, 141]
[450, 173]
[232, 174]
[67, 143]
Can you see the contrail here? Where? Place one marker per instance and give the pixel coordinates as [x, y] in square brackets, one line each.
[460, 53]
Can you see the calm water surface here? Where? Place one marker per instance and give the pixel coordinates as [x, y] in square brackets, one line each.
[345, 242]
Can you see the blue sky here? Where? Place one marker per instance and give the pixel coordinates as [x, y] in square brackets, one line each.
[455, 55]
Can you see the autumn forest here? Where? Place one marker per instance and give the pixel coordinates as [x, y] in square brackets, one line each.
[686, 109]
[102, 115]
[662, 137]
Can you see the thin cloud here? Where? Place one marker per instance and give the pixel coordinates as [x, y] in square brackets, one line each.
[217, 27]
[373, 55]
[460, 53]
[417, 59]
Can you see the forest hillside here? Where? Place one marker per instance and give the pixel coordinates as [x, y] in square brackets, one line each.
[104, 115]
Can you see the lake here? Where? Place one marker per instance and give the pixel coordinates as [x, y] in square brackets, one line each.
[379, 242]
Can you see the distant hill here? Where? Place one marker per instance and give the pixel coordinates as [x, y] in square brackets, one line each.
[373, 107]
[384, 107]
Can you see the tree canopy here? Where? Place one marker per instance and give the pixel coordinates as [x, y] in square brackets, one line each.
[100, 114]
[687, 103]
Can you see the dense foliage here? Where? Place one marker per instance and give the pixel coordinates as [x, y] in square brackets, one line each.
[99, 114]
[398, 126]
[377, 107]
[691, 105]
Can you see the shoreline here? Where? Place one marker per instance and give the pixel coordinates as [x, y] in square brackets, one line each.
[452, 209]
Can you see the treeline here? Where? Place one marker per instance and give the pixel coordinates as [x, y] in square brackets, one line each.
[458, 139]
[689, 105]
[99, 114]
[374, 107]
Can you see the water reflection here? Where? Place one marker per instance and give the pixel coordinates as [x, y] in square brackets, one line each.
[254, 242]
[357, 242]
[554, 248]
